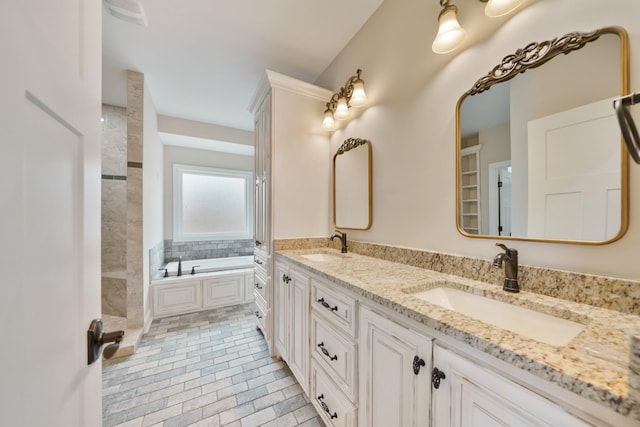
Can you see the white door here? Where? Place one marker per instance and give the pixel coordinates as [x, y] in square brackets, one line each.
[574, 174]
[299, 328]
[50, 211]
[281, 311]
[391, 392]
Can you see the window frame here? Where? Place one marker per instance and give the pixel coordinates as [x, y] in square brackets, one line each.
[178, 171]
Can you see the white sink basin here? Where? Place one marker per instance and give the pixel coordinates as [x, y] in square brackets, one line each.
[531, 324]
[323, 257]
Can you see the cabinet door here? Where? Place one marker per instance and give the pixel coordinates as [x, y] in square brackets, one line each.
[262, 140]
[249, 287]
[470, 395]
[223, 291]
[281, 310]
[391, 394]
[262, 156]
[298, 355]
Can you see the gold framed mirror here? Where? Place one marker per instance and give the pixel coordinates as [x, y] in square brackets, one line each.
[352, 185]
[539, 154]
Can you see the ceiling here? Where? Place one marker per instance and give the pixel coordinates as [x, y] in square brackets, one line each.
[203, 59]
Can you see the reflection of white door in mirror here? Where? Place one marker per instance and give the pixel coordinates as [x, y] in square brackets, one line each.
[500, 198]
[569, 199]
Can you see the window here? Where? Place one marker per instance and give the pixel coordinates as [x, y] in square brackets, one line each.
[211, 204]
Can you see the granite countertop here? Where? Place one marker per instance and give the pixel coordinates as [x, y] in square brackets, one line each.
[595, 364]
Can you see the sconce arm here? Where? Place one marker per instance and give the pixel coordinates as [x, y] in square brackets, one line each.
[627, 125]
[347, 89]
[333, 102]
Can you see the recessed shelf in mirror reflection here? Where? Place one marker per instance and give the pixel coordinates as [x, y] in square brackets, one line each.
[539, 155]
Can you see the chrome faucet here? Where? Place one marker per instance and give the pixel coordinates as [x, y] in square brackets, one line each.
[180, 266]
[343, 239]
[510, 268]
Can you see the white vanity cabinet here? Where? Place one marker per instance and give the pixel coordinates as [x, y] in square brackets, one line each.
[395, 373]
[334, 354]
[288, 153]
[372, 366]
[292, 320]
[470, 395]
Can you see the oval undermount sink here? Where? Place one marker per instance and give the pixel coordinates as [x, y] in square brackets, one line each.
[523, 321]
[324, 257]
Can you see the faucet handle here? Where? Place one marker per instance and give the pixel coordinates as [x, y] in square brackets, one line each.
[510, 252]
[502, 246]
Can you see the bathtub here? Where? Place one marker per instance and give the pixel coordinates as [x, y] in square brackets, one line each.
[209, 265]
[218, 282]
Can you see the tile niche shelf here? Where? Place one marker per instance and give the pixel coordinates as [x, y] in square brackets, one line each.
[470, 189]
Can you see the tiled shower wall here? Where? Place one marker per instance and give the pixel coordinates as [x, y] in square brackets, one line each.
[135, 141]
[114, 210]
[156, 260]
[206, 249]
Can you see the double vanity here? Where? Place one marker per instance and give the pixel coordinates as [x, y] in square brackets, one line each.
[395, 339]
[379, 343]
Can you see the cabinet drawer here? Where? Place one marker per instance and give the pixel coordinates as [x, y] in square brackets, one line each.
[260, 263]
[332, 405]
[260, 287]
[260, 271]
[223, 291]
[336, 353]
[338, 308]
[261, 316]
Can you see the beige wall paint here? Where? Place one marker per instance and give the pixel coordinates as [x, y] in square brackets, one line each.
[194, 157]
[300, 152]
[496, 147]
[411, 122]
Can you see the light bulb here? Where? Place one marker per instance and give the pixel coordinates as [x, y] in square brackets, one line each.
[342, 110]
[495, 8]
[358, 97]
[450, 34]
[328, 123]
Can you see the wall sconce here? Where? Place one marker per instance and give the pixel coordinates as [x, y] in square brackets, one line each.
[350, 95]
[451, 34]
[627, 125]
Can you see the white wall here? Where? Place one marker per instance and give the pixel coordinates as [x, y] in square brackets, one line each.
[301, 167]
[411, 122]
[192, 128]
[190, 156]
[151, 192]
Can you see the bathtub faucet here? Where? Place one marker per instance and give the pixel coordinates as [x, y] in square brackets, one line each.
[180, 266]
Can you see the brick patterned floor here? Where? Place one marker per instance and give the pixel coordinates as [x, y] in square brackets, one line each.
[210, 368]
